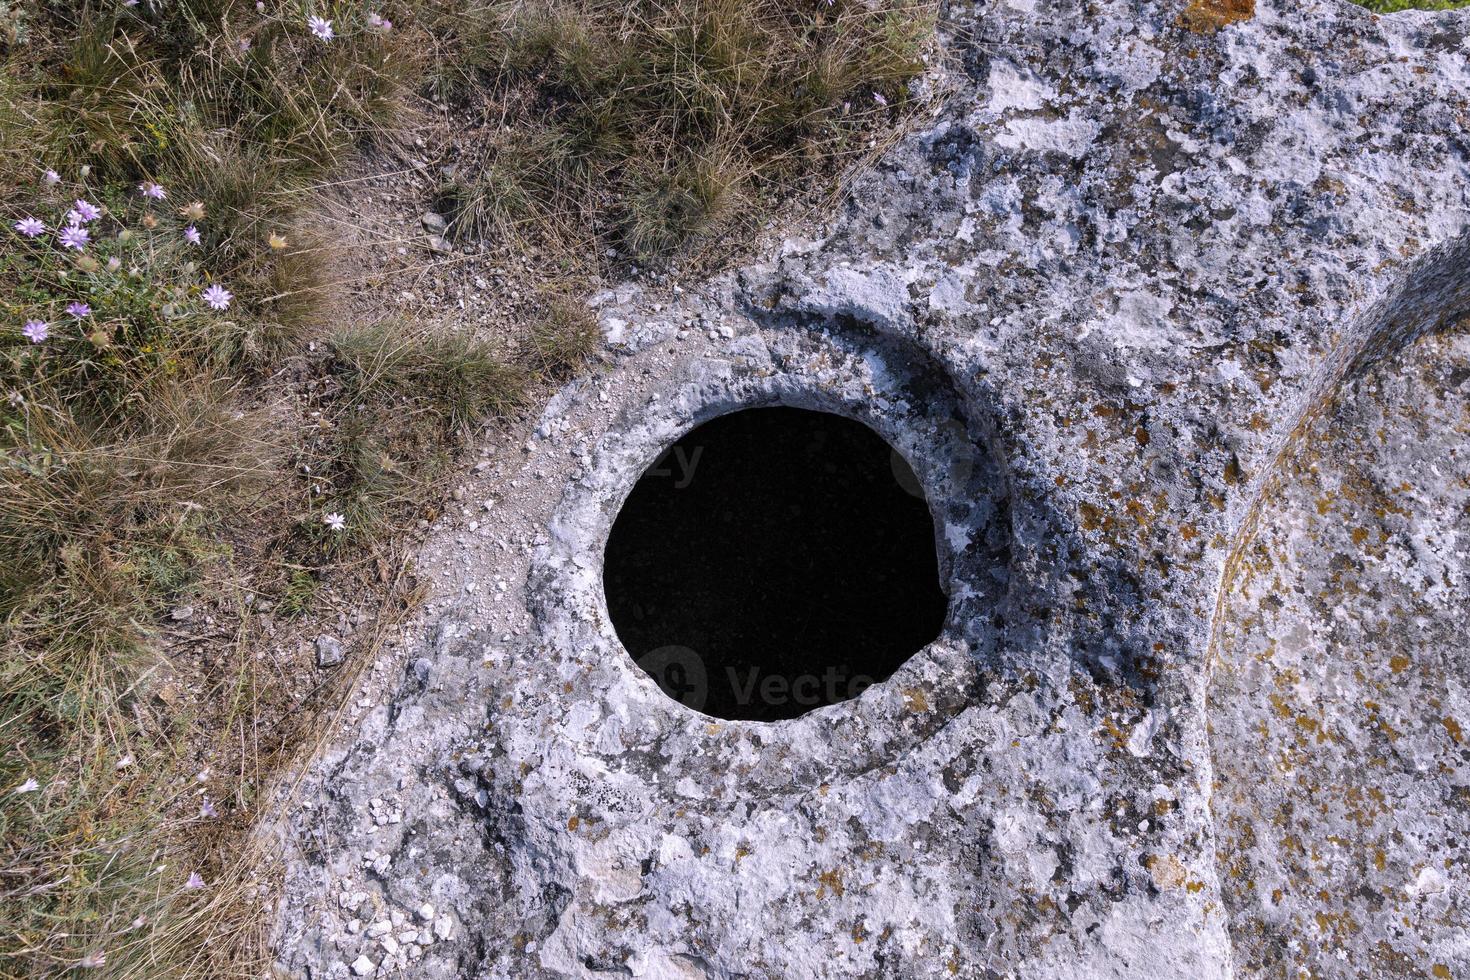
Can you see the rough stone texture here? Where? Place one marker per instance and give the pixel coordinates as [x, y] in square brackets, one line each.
[1167, 305]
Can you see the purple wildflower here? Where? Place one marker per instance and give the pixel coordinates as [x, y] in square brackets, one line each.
[36, 330]
[149, 189]
[52, 177]
[321, 27]
[379, 22]
[78, 309]
[207, 810]
[218, 297]
[83, 212]
[30, 227]
[878, 98]
[191, 235]
[75, 236]
[195, 882]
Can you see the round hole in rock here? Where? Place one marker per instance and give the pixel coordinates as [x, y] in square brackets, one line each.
[771, 561]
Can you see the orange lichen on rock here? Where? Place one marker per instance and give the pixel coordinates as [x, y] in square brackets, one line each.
[1208, 16]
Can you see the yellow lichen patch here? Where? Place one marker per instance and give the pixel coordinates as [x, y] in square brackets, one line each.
[914, 699]
[1118, 736]
[1441, 971]
[1453, 727]
[1398, 663]
[1166, 870]
[830, 881]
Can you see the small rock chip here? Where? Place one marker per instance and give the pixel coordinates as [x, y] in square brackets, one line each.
[434, 222]
[426, 911]
[181, 614]
[328, 651]
[362, 966]
[438, 243]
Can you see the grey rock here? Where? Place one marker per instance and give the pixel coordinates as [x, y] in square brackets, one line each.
[1168, 310]
[434, 222]
[329, 651]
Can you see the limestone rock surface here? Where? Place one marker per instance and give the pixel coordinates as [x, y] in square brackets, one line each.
[1169, 306]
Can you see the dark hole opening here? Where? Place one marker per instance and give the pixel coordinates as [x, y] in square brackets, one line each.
[771, 561]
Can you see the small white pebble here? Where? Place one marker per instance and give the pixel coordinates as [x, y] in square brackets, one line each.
[362, 966]
[426, 912]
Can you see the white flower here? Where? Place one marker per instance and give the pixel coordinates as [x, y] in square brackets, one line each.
[83, 212]
[321, 27]
[218, 297]
[29, 786]
[335, 521]
[75, 237]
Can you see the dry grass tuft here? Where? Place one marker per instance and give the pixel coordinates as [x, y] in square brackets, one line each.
[646, 124]
[564, 339]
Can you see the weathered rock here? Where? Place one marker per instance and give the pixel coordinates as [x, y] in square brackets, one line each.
[329, 651]
[1167, 307]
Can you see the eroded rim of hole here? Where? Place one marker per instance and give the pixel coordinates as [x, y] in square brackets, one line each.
[966, 488]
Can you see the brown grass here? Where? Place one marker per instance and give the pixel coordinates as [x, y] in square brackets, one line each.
[156, 455]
